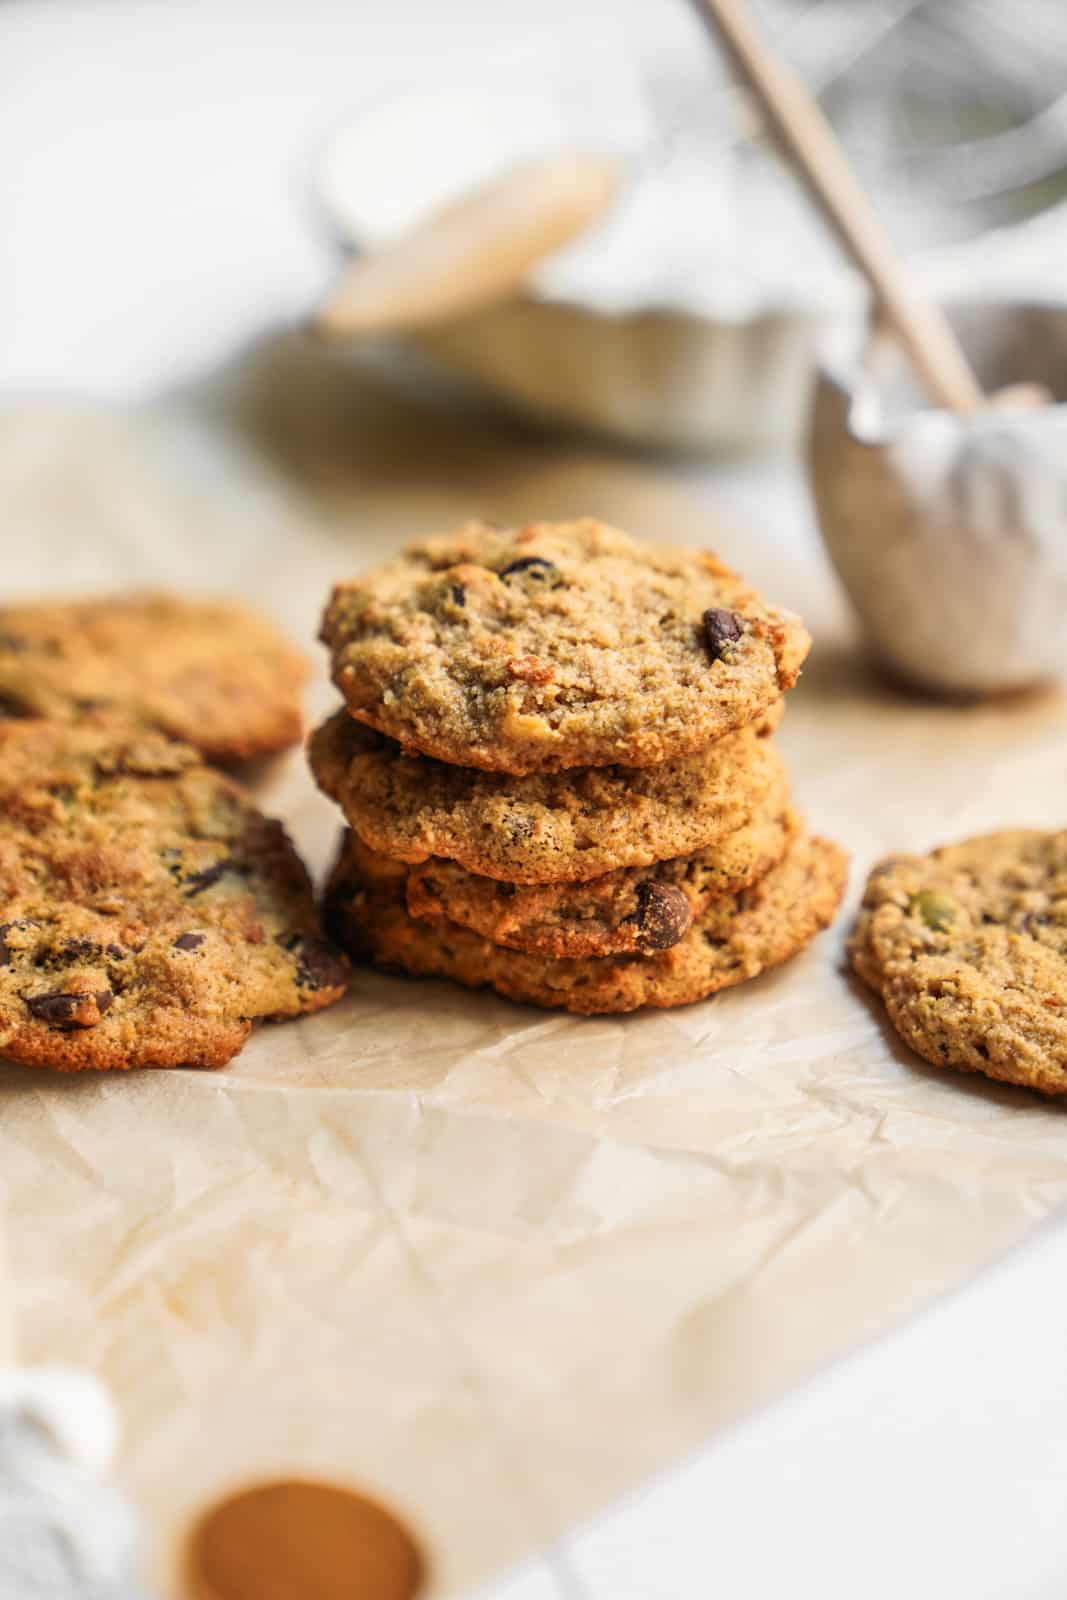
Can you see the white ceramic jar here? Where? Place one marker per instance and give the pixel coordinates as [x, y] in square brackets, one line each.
[950, 533]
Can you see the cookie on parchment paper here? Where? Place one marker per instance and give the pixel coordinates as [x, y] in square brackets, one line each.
[149, 913]
[557, 645]
[967, 947]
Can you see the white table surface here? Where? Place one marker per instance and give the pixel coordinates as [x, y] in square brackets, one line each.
[152, 158]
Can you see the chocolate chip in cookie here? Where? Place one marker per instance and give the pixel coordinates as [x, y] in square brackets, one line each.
[318, 965]
[721, 629]
[532, 569]
[75, 1010]
[663, 915]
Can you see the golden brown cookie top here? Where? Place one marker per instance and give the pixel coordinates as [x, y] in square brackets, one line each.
[968, 947]
[735, 938]
[149, 914]
[557, 645]
[547, 827]
[212, 673]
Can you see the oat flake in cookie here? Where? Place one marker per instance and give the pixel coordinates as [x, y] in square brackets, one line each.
[557, 645]
[149, 914]
[736, 937]
[217, 675]
[968, 948]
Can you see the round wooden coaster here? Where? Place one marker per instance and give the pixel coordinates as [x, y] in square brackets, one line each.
[295, 1540]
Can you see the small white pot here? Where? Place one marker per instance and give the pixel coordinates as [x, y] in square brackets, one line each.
[950, 533]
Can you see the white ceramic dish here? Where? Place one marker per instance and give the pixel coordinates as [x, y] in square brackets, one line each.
[687, 319]
[950, 533]
[659, 378]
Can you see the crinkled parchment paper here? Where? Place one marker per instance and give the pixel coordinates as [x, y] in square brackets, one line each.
[495, 1264]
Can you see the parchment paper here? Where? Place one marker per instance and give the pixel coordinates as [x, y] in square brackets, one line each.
[494, 1264]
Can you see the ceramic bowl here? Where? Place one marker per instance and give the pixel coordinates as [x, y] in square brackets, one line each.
[688, 319]
[950, 533]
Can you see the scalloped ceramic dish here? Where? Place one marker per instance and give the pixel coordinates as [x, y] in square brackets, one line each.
[656, 327]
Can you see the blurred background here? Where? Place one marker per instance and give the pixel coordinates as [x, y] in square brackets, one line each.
[181, 179]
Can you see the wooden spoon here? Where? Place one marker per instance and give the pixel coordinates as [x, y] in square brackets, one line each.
[811, 144]
[473, 252]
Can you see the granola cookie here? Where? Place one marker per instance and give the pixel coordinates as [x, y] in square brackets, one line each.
[149, 914]
[561, 827]
[968, 948]
[735, 938]
[214, 674]
[557, 645]
[637, 909]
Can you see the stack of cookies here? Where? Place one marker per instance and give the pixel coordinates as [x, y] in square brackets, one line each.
[556, 766]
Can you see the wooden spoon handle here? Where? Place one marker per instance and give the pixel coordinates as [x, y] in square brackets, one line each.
[810, 142]
[473, 252]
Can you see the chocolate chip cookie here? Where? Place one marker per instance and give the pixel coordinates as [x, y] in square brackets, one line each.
[149, 914]
[968, 948]
[557, 645]
[638, 909]
[216, 675]
[736, 937]
[548, 827]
